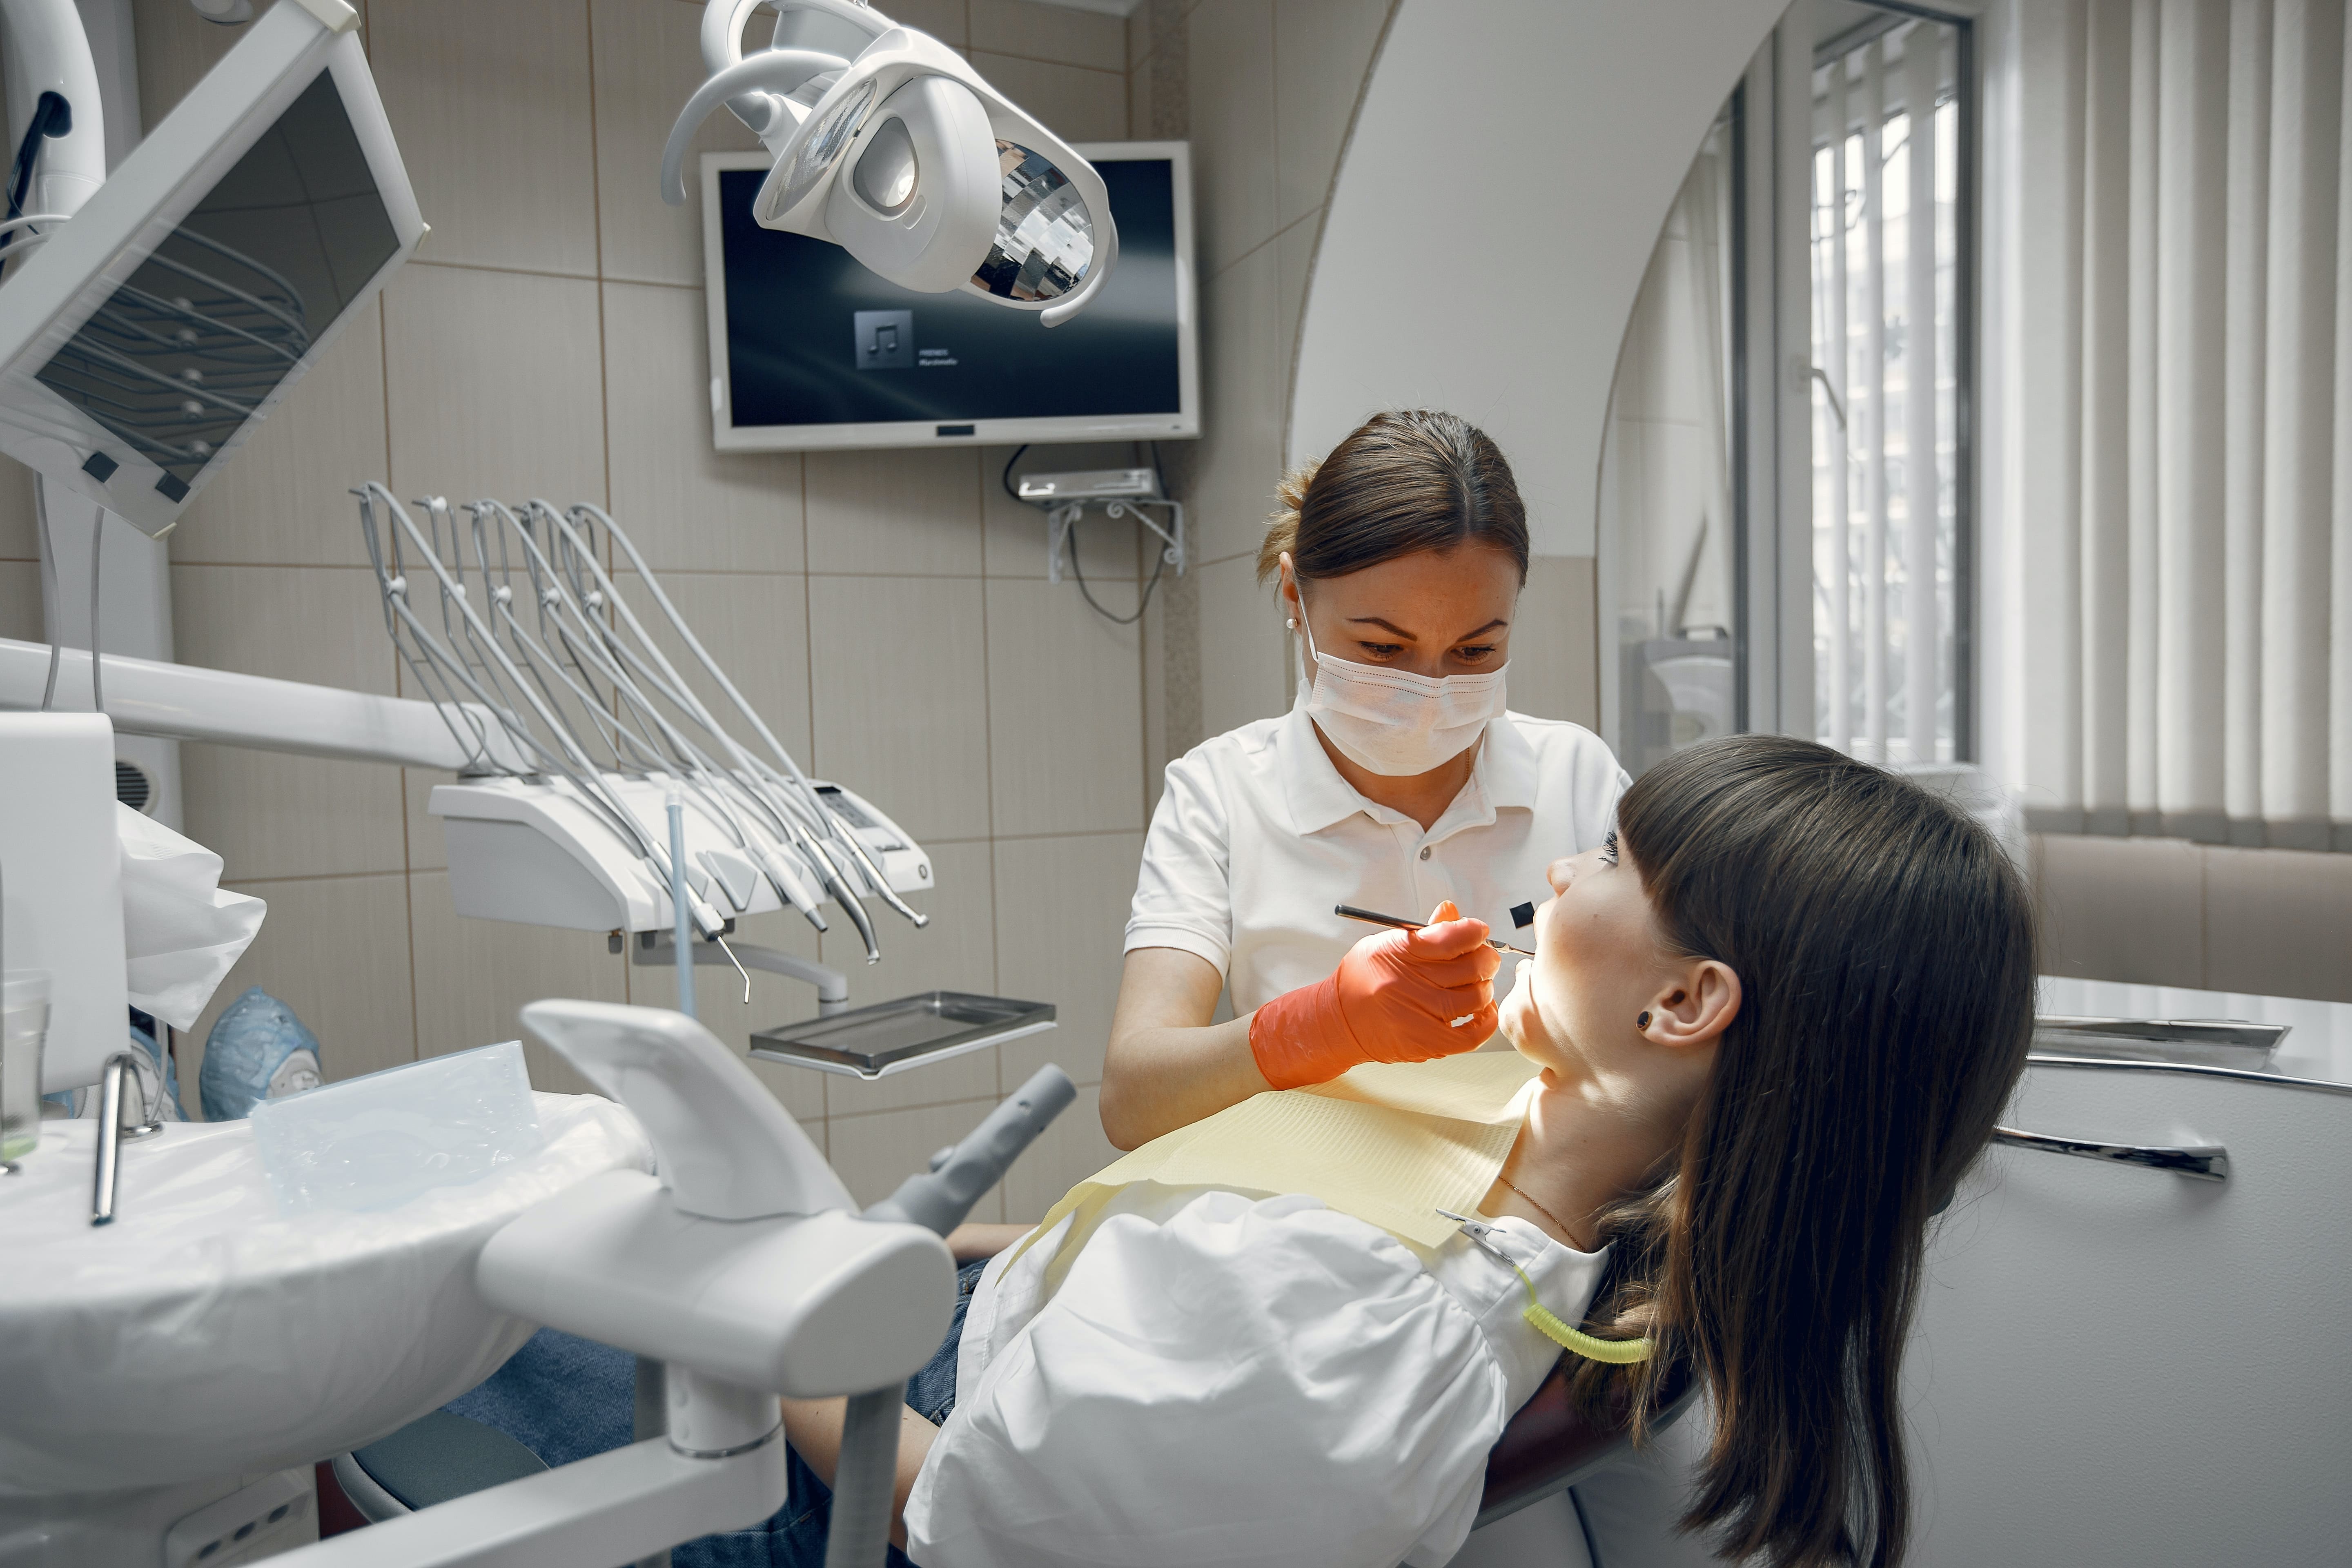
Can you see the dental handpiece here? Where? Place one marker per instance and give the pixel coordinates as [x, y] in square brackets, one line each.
[1371, 917]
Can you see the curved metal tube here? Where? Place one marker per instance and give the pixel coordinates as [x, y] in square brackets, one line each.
[772, 71]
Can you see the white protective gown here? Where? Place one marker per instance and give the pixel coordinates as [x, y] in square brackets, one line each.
[1228, 1379]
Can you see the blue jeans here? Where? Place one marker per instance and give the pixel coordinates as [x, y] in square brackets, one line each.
[566, 1398]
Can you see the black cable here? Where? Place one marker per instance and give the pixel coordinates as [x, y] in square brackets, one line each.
[1160, 563]
[1143, 601]
[53, 116]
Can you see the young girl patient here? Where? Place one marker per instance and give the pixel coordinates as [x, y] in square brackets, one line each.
[1776, 1017]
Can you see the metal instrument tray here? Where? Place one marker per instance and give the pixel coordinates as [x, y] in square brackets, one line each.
[913, 1031]
[2208, 1042]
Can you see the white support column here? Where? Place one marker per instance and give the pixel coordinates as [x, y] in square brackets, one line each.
[1841, 649]
[135, 617]
[1874, 293]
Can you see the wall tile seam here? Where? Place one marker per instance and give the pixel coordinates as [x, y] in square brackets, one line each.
[1274, 238]
[508, 271]
[1047, 60]
[1314, 212]
[730, 573]
[200, 565]
[1047, 838]
[308, 877]
[983, 576]
[636, 282]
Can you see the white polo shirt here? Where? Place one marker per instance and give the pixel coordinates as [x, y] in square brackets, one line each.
[1258, 836]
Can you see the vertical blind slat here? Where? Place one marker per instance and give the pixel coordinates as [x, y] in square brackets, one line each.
[2048, 379]
[2245, 312]
[2340, 569]
[2140, 643]
[2108, 403]
[2192, 187]
[2306, 76]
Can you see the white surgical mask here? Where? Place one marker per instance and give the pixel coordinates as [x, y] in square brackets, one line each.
[1396, 723]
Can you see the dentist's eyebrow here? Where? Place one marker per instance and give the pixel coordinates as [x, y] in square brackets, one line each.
[1408, 636]
[1384, 625]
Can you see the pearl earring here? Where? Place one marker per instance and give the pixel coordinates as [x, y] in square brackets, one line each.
[1292, 623]
[1643, 1022]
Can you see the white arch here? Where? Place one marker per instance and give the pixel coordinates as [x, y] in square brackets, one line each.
[1498, 202]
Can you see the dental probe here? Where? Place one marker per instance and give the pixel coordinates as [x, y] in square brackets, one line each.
[1371, 918]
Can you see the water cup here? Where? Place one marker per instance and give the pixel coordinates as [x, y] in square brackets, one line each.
[24, 1028]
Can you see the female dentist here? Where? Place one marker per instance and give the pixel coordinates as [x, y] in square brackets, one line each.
[1398, 781]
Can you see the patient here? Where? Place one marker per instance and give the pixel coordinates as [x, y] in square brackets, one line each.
[1777, 1015]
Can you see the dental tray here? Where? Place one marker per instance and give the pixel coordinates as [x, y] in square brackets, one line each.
[2208, 1042]
[911, 1032]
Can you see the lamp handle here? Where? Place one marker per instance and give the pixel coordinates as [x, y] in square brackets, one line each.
[725, 1148]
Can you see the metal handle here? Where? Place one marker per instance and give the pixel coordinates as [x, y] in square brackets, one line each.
[118, 1091]
[2200, 1162]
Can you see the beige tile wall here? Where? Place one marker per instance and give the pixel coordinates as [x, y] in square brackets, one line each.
[888, 612]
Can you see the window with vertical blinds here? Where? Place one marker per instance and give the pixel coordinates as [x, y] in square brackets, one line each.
[2181, 597]
[1891, 605]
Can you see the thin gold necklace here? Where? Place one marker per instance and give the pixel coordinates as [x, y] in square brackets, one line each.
[1555, 1219]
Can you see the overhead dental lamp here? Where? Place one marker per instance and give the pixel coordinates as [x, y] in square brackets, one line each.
[889, 145]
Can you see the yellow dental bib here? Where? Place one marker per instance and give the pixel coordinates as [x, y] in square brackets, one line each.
[1390, 1144]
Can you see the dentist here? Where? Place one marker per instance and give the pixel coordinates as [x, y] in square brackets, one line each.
[1398, 781]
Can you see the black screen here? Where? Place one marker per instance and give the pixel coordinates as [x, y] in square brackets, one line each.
[801, 314]
[181, 356]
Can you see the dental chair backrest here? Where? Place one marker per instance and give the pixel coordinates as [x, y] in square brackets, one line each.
[722, 1145]
[1553, 1443]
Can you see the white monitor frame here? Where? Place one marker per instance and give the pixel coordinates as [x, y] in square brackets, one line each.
[47, 296]
[1183, 424]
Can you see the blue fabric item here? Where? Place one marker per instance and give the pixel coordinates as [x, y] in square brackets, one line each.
[564, 1398]
[561, 1396]
[249, 1042]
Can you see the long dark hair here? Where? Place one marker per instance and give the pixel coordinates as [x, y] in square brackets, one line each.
[1397, 484]
[1885, 951]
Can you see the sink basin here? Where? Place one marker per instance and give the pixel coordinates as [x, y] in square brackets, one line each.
[201, 1336]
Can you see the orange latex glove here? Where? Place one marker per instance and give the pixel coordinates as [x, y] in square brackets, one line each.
[1395, 997]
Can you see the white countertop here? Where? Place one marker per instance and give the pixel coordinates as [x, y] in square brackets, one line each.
[2319, 1045]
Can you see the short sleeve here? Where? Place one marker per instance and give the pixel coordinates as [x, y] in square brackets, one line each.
[1184, 891]
[1200, 1393]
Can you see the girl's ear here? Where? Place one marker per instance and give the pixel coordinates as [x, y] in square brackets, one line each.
[1289, 589]
[1696, 1007]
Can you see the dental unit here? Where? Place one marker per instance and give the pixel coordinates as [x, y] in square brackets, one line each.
[611, 775]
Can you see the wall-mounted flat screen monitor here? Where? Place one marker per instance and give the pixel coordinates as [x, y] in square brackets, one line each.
[809, 350]
[144, 340]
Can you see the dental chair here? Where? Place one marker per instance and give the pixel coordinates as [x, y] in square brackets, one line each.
[1550, 1447]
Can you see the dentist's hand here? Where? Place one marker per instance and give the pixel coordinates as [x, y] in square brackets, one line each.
[1397, 996]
